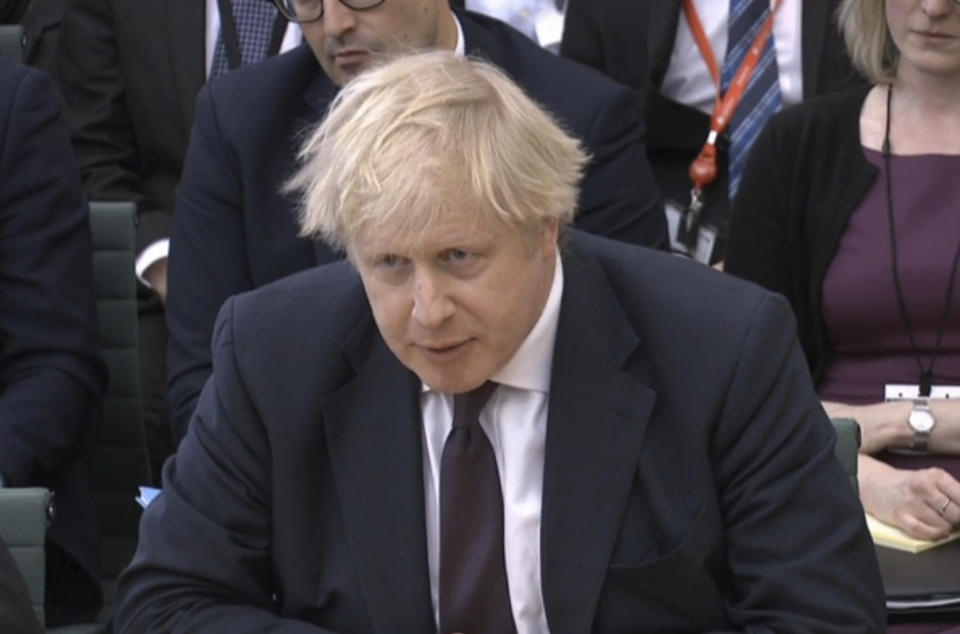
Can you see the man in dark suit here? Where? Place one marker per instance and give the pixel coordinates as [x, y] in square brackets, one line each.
[651, 455]
[235, 231]
[647, 44]
[51, 375]
[130, 72]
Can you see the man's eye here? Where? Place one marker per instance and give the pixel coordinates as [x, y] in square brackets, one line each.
[389, 261]
[456, 256]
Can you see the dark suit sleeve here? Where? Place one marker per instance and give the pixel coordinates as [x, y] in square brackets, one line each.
[758, 248]
[203, 563]
[620, 198]
[104, 139]
[207, 258]
[790, 518]
[51, 374]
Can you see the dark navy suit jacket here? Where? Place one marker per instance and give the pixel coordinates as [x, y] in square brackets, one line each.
[51, 375]
[233, 231]
[690, 482]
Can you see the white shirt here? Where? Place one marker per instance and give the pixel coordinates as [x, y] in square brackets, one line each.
[540, 20]
[160, 249]
[688, 79]
[515, 421]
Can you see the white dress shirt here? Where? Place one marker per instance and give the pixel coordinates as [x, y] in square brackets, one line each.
[160, 249]
[540, 20]
[515, 421]
[688, 79]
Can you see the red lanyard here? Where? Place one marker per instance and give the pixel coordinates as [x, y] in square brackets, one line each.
[703, 170]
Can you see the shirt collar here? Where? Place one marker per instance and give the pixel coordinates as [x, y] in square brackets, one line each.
[461, 47]
[529, 367]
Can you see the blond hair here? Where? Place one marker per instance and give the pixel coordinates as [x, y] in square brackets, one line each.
[863, 24]
[426, 134]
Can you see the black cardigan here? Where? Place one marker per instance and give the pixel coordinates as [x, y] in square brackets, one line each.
[806, 174]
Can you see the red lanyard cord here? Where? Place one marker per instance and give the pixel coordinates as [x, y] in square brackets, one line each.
[703, 170]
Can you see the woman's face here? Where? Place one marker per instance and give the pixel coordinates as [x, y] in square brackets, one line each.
[927, 34]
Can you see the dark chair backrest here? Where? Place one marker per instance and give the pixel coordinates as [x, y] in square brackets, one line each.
[24, 515]
[848, 446]
[117, 461]
[12, 41]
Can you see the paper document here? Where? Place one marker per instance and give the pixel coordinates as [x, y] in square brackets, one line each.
[147, 494]
[892, 537]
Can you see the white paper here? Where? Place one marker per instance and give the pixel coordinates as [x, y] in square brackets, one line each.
[147, 495]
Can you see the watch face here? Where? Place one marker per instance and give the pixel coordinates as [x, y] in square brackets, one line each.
[921, 420]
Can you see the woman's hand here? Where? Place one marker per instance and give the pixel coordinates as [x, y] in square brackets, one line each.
[924, 503]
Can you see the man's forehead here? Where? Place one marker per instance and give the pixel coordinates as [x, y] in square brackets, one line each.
[445, 229]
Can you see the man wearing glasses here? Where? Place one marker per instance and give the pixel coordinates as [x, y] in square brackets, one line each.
[234, 230]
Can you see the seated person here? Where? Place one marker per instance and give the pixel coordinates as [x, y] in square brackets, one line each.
[467, 426]
[51, 375]
[650, 46]
[848, 208]
[234, 230]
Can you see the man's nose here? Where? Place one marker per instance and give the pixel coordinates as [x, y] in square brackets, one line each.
[337, 18]
[432, 305]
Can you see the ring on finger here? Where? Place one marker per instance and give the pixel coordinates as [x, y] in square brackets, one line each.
[943, 507]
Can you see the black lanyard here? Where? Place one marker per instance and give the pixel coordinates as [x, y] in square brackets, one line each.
[926, 373]
[228, 30]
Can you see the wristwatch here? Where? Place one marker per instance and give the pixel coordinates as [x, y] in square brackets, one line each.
[921, 421]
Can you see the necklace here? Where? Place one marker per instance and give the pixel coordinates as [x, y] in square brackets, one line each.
[926, 372]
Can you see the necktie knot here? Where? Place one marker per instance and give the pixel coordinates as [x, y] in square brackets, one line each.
[467, 406]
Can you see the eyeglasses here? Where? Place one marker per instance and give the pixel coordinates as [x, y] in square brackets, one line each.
[301, 11]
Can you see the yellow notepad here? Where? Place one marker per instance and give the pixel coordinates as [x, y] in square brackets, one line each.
[892, 537]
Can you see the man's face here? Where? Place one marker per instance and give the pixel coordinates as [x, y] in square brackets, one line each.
[347, 41]
[456, 306]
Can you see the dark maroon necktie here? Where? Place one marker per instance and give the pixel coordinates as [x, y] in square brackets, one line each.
[473, 577]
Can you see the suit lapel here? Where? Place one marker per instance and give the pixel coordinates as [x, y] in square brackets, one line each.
[480, 42]
[597, 419]
[186, 20]
[374, 438]
[662, 31]
[815, 21]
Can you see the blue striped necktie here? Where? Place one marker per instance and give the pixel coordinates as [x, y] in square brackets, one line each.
[254, 21]
[762, 96]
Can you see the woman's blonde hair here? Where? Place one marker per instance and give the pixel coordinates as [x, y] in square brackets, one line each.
[863, 24]
[429, 133]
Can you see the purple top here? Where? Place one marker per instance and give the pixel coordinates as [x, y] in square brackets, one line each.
[867, 342]
[866, 339]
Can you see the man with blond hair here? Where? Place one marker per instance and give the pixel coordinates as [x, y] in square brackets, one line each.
[233, 228]
[467, 427]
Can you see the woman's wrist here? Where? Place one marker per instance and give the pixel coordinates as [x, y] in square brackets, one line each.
[882, 425]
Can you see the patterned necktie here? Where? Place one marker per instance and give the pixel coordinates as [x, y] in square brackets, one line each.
[254, 22]
[474, 596]
[762, 96]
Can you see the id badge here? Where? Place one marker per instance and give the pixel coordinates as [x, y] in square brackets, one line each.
[911, 392]
[706, 236]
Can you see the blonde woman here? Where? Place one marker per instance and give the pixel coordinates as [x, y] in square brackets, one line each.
[848, 207]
